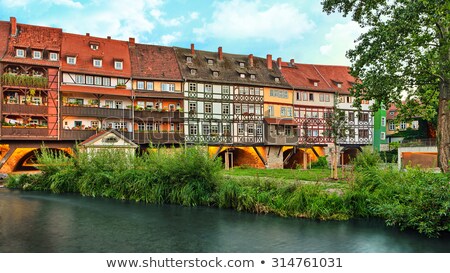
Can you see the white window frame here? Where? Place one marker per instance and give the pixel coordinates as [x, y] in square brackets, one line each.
[140, 85]
[20, 53]
[383, 121]
[71, 60]
[383, 136]
[168, 87]
[37, 55]
[392, 126]
[97, 62]
[53, 56]
[118, 65]
[90, 80]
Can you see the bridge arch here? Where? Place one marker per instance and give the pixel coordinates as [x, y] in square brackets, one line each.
[27, 160]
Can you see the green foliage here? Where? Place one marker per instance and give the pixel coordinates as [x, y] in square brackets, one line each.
[321, 163]
[366, 159]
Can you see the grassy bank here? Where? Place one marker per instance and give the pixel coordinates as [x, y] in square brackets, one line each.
[412, 199]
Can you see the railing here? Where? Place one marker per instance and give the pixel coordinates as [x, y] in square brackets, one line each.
[96, 112]
[282, 140]
[24, 109]
[78, 135]
[158, 137]
[423, 142]
[166, 116]
[26, 132]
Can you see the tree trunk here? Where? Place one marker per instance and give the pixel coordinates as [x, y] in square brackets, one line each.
[444, 126]
[334, 163]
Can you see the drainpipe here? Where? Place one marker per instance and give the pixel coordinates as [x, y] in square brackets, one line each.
[58, 106]
[133, 95]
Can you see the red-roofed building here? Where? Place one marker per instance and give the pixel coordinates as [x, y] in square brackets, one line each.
[157, 88]
[96, 88]
[29, 93]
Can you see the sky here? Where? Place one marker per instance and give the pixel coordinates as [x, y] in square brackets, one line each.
[290, 29]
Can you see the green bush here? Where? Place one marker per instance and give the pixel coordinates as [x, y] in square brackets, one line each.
[366, 159]
[321, 163]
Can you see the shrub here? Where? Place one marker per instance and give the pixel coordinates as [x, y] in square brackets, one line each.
[366, 159]
[321, 163]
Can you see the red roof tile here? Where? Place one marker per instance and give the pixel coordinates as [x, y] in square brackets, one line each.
[154, 62]
[303, 76]
[4, 34]
[34, 37]
[108, 51]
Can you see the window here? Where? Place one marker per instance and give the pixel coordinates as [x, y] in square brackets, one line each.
[327, 98]
[94, 124]
[349, 99]
[206, 130]
[140, 85]
[37, 55]
[193, 71]
[289, 111]
[192, 107]
[121, 81]
[193, 129]
[53, 56]
[321, 97]
[383, 136]
[208, 108]
[192, 87]
[271, 111]
[97, 63]
[277, 79]
[259, 129]
[351, 116]
[214, 130]
[363, 133]
[251, 129]
[20, 53]
[172, 127]
[283, 111]
[402, 125]
[241, 64]
[363, 117]
[149, 105]
[240, 129]
[225, 109]
[168, 87]
[210, 61]
[226, 129]
[106, 81]
[208, 88]
[305, 96]
[383, 121]
[237, 109]
[89, 80]
[351, 133]
[98, 80]
[149, 85]
[279, 93]
[71, 60]
[94, 46]
[316, 83]
[79, 79]
[189, 59]
[215, 74]
[311, 97]
[297, 96]
[252, 76]
[118, 65]
[242, 75]
[391, 126]
[339, 85]
[415, 125]
[391, 113]
[225, 89]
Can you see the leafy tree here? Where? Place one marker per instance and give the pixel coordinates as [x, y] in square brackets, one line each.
[406, 49]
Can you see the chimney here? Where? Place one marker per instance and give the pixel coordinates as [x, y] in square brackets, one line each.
[220, 53]
[250, 60]
[88, 34]
[132, 41]
[13, 22]
[192, 49]
[292, 62]
[108, 37]
[279, 62]
[269, 61]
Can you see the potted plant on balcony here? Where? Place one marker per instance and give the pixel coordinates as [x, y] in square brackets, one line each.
[121, 86]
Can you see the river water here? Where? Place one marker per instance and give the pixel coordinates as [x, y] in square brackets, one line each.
[44, 222]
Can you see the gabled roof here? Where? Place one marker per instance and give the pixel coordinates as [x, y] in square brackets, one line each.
[4, 35]
[154, 62]
[228, 69]
[101, 136]
[326, 77]
[108, 51]
[30, 37]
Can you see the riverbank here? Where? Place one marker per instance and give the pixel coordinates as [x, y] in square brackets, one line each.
[413, 199]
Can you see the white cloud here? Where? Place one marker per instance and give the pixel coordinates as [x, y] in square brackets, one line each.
[194, 15]
[14, 3]
[68, 3]
[169, 39]
[239, 19]
[156, 13]
[339, 39]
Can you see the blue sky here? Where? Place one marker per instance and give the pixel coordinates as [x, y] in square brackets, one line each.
[291, 29]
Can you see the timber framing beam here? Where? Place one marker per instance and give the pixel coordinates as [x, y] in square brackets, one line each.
[260, 156]
[218, 152]
[315, 152]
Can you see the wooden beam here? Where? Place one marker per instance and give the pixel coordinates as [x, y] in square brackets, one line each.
[315, 152]
[289, 156]
[217, 152]
[259, 155]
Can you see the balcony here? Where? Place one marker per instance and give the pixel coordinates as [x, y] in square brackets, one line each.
[98, 112]
[158, 137]
[281, 140]
[159, 116]
[17, 109]
[78, 135]
[12, 79]
[8, 132]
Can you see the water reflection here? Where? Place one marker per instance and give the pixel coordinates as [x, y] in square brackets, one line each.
[41, 222]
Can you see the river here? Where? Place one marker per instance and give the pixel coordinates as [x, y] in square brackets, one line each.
[43, 222]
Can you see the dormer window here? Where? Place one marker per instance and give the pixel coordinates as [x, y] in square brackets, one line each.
[20, 53]
[215, 74]
[210, 61]
[118, 65]
[193, 71]
[242, 75]
[252, 76]
[339, 85]
[94, 46]
[277, 79]
[71, 60]
[189, 59]
[53, 56]
[37, 55]
[241, 64]
[97, 63]
[316, 84]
